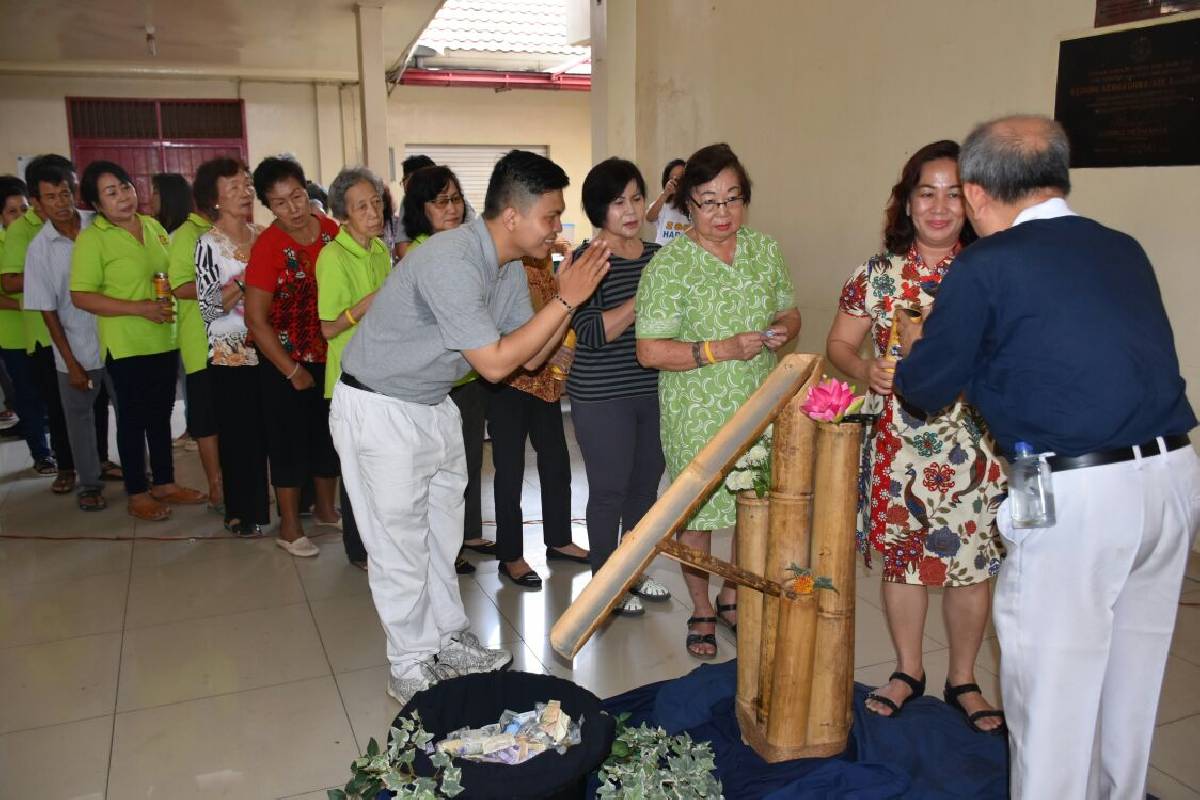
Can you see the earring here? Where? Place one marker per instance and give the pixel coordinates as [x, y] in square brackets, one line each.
[216, 206]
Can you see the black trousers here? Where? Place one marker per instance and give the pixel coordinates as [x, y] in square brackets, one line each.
[299, 446]
[27, 402]
[514, 417]
[472, 401]
[241, 441]
[145, 391]
[351, 540]
[622, 454]
[201, 407]
[45, 380]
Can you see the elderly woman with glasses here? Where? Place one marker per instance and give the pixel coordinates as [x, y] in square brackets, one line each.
[713, 306]
[433, 202]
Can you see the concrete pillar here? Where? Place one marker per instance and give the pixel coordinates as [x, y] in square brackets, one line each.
[372, 87]
[330, 156]
[614, 79]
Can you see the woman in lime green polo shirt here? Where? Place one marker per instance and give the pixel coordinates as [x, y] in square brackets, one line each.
[112, 276]
[349, 273]
[433, 202]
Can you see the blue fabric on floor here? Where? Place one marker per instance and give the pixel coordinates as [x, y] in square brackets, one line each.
[927, 753]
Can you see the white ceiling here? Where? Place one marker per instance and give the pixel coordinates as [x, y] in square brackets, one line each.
[251, 38]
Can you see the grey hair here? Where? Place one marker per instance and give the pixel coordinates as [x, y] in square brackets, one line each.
[348, 177]
[1012, 157]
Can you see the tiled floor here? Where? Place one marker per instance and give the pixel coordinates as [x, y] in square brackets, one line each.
[145, 661]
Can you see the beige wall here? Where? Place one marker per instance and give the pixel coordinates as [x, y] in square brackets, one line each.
[318, 123]
[825, 100]
[559, 120]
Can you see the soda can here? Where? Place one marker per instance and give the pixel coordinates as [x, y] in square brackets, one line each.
[162, 286]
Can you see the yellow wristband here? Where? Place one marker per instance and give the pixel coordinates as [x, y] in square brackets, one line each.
[708, 353]
[350, 317]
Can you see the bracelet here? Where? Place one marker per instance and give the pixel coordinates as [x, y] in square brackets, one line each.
[570, 308]
[294, 371]
[708, 353]
[699, 359]
[350, 317]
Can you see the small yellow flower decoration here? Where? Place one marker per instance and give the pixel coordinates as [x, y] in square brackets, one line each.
[804, 582]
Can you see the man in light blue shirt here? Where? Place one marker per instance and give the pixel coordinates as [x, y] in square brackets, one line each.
[73, 332]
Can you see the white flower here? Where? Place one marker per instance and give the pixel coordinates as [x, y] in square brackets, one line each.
[757, 454]
[743, 462]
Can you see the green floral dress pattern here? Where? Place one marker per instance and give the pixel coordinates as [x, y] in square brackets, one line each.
[688, 294]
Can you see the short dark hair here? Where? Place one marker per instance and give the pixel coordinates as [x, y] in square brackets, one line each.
[89, 187]
[1010, 164]
[672, 164]
[423, 186]
[174, 199]
[272, 170]
[204, 188]
[898, 229]
[704, 165]
[51, 169]
[605, 183]
[316, 192]
[41, 162]
[519, 179]
[413, 163]
[11, 185]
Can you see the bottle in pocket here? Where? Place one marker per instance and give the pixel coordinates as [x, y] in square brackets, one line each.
[1030, 493]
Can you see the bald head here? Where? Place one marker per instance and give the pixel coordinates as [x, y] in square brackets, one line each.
[1014, 157]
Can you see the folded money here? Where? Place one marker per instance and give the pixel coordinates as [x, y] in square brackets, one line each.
[516, 737]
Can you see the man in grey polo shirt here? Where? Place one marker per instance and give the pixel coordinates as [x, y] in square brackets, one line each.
[459, 302]
[73, 333]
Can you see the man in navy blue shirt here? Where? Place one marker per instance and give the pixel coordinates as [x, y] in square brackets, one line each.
[1054, 327]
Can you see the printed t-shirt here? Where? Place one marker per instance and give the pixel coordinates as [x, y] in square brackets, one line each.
[281, 265]
[109, 261]
[181, 269]
[346, 273]
[16, 242]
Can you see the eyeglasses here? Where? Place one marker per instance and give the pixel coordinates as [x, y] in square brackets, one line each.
[443, 201]
[709, 207]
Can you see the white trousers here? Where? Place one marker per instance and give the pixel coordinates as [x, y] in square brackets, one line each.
[1084, 611]
[405, 470]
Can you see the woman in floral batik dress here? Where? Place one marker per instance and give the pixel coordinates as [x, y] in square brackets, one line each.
[934, 483]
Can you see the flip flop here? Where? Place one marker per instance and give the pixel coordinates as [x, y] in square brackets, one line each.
[110, 471]
[64, 482]
[149, 510]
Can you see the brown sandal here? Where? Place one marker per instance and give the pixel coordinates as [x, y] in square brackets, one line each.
[148, 510]
[64, 483]
[182, 496]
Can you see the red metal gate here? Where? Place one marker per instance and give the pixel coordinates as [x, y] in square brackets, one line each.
[151, 136]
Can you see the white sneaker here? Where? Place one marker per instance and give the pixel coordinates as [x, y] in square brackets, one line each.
[649, 589]
[630, 607]
[302, 547]
[417, 679]
[466, 656]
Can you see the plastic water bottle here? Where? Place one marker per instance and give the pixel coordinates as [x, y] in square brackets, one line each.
[1030, 494]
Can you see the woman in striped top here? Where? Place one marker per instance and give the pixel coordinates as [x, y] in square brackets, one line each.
[614, 399]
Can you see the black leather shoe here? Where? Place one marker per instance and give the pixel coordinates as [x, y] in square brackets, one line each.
[529, 580]
[558, 555]
[463, 567]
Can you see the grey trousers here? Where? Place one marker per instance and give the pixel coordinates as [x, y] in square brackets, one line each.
[81, 428]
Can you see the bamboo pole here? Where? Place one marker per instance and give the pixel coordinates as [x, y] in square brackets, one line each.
[788, 528]
[787, 719]
[752, 516]
[715, 566]
[679, 503]
[835, 488]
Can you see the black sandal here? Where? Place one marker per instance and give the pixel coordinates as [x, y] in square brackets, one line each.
[725, 608]
[918, 689]
[694, 639]
[91, 500]
[951, 695]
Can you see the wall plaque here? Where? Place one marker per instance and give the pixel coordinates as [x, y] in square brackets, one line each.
[1114, 12]
[1132, 98]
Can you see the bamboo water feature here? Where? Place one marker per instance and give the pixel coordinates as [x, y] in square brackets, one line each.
[795, 672]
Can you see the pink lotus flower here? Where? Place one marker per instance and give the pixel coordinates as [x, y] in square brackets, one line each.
[830, 400]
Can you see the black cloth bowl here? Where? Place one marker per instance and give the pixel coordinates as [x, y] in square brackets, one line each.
[478, 700]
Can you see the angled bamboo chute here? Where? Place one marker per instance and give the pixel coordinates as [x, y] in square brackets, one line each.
[795, 650]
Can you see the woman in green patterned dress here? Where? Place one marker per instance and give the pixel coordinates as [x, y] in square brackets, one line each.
[712, 308]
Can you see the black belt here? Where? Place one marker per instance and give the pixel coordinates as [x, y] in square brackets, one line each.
[355, 383]
[1102, 457]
